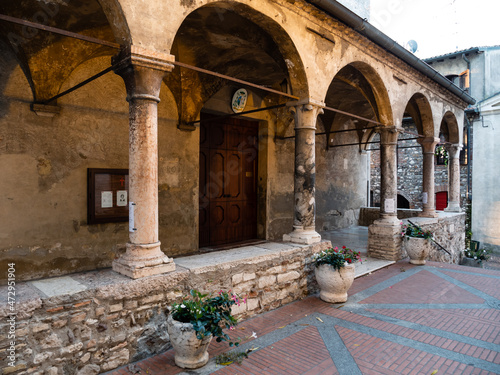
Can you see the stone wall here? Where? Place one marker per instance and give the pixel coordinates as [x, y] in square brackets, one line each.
[116, 320]
[449, 232]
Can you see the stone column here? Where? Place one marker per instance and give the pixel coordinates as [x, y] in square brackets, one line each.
[304, 229]
[428, 148]
[453, 178]
[143, 72]
[384, 235]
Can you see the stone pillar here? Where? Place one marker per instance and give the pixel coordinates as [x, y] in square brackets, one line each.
[304, 229]
[428, 148]
[453, 178]
[143, 72]
[384, 235]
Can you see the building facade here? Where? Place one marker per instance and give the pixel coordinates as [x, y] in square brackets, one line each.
[477, 70]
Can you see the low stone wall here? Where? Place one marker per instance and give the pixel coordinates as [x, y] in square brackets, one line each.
[114, 320]
[449, 232]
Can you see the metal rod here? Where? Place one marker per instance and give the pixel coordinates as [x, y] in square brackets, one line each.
[354, 144]
[355, 116]
[237, 114]
[83, 83]
[205, 71]
[55, 30]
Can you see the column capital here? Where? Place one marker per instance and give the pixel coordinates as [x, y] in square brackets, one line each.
[388, 134]
[428, 144]
[143, 71]
[453, 149]
[306, 112]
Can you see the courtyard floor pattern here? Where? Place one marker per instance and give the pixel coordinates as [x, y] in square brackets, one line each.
[420, 320]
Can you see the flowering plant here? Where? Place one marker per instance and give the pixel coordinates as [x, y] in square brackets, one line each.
[336, 258]
[413, 230]
[479, 254]
[208, 315]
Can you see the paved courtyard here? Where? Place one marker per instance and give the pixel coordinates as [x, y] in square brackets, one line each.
[434, 319]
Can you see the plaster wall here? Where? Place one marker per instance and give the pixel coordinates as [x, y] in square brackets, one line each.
[485, 180]
[44, 162]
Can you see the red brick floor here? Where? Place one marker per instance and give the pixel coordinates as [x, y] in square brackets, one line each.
[437, 319]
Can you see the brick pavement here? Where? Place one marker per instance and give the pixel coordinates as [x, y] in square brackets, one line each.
[420, 320]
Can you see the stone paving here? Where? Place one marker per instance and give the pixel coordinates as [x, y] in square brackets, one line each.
[404, 319]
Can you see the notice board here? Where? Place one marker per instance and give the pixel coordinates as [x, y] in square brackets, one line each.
[107, 195]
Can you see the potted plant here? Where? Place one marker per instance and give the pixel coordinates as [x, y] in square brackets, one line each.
[474, 256]
[416, 242]
[334, 270]
[193, 323]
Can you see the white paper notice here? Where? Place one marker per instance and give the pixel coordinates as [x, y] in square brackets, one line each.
[106, 199]
[424, 198]
[389, 205]
[121, 198]
[131, 224]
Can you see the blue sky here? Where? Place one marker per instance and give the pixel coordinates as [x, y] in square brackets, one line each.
[438, 26]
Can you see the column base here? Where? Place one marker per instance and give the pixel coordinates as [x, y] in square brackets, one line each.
[143, 260]
[384, 239]
[453, 207]
[301, 236]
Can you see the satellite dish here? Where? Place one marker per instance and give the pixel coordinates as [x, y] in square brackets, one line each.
[411, 46]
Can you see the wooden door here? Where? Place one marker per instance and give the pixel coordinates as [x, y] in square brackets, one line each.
[228, 181]
[441, 200]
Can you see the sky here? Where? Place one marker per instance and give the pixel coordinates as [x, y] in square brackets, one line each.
[438, 26]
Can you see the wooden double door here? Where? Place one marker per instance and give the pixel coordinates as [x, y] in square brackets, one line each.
[228, 180]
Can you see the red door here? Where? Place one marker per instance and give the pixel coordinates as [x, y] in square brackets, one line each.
[228, 181]
[441, 200]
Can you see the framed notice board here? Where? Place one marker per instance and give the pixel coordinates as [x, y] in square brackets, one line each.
[107, 195]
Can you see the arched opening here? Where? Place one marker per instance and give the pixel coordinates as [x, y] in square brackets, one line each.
[248, 46]
[345, 176]
[46, 58]
[402, 202]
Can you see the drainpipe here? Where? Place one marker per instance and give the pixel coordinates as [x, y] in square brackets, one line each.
[371, 32]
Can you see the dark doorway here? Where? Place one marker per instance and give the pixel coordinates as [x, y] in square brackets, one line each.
[441, 200]
[403, 202]
[228, 180]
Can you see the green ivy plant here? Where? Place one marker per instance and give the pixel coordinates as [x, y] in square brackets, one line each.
[208, 315]
[336, 258]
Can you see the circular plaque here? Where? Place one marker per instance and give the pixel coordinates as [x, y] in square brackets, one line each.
[239, 100]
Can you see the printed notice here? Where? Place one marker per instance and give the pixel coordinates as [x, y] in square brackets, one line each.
[121, 198]
[424, 198]
[106, 199]
[389, 205]
[131, 223]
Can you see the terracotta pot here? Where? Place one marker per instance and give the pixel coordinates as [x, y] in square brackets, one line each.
[190, 351]
[334, 283]
[417, 249]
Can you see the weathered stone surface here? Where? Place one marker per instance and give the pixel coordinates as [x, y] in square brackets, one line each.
[289, 276]
[266, 281]
[91, 369]
[118, 359]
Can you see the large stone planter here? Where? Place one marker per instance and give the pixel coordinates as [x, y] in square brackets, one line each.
[418, 249]
[334, 284]
[190, 351]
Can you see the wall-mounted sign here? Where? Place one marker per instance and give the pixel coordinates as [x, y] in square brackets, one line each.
[239, 100]
[107, 195]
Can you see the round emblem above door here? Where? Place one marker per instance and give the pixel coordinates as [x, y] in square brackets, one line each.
[239, 100]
